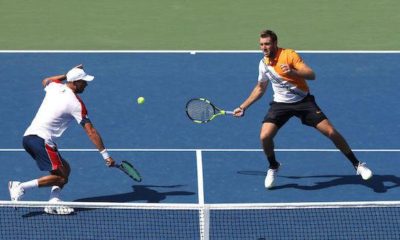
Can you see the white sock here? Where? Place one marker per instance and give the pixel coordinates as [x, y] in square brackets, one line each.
[30, 184]
[55, 192]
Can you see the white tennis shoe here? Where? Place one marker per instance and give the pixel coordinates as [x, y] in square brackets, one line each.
[16, 191]
[364, 171]
[270, 178]
[58, 209]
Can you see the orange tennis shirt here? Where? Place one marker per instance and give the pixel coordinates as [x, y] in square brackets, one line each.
[287, 89]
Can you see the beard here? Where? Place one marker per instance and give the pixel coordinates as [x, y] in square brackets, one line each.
[80, 90]
[270, 53]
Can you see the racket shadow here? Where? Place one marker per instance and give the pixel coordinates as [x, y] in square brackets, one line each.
[140, 193]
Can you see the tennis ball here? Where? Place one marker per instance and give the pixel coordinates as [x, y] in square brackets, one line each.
[140, 100]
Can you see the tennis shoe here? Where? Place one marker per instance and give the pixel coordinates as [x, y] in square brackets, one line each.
[16, 191]
[58, 209]
[364, 171]
[270, 178]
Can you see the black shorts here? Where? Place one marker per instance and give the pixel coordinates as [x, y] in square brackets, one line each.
[307, 110]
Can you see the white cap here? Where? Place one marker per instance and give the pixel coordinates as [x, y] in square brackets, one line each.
[76, 74]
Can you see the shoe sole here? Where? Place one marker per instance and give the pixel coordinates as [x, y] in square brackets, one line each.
[53, 211]
[272, 185]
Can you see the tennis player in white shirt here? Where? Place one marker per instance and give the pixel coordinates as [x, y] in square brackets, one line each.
[61, 105]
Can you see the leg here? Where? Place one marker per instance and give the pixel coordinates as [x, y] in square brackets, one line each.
[267, 134]
[57, 180]
[47, 158]
[58, 177]
[326, 128]
[277, 116]
[312, 115]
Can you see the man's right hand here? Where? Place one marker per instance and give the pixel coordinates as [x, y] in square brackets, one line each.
[79, 66]
[238, 112]
[110, 162]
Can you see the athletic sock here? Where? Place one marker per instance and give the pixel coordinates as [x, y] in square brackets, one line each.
[55, 192]
[30, 184]
[353, 159]
[273, 164]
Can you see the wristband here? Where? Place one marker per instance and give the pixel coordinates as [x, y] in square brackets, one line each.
[105, 154]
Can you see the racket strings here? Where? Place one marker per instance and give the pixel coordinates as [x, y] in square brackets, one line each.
[131, 171]
[200, 110]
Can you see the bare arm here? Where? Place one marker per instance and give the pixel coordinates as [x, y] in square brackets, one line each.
[47, 80]
[56, 78]
[96, 139]
[256, 94]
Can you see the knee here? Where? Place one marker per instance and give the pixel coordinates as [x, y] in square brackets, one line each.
[265, 137]
[61, 181]
[331, 133]
[267, 133]
[65, 169]
[64, 180]
[60, 176]
[327, 129]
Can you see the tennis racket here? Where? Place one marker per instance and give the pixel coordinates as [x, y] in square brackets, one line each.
[201, 110]
[129, 170]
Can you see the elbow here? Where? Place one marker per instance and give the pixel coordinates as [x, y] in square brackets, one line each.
[45, 82]
[311, 76]
[261, 88]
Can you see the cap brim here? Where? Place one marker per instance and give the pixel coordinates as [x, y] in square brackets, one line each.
[88, 78]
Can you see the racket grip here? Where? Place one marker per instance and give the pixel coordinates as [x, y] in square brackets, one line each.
[116, 165]
[229, 112]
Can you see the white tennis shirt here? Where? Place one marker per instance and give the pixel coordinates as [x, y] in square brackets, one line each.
[59, 107]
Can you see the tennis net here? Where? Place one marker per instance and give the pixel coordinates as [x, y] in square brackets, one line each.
[339, 220]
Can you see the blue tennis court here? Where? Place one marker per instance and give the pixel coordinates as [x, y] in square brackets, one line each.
[357, 91]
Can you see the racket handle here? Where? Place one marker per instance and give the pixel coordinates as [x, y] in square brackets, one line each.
[229, 112]
[116, 165]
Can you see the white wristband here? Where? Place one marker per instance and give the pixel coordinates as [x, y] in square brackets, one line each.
[105, 154]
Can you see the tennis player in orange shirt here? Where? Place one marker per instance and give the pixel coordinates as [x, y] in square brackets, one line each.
[288, 73]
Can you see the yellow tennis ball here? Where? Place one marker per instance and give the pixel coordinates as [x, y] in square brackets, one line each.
[140, 100]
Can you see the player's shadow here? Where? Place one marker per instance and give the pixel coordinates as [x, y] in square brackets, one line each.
[378, 183]
[138, 193]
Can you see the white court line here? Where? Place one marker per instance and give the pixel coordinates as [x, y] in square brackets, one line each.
[204, 214]
[203, 150]
[200, 182]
